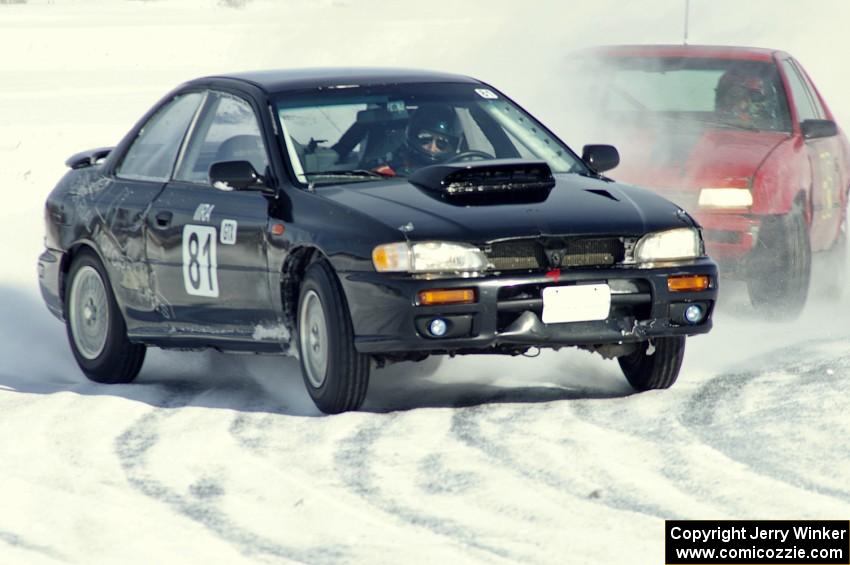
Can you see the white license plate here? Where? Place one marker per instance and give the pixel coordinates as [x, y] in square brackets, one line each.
[578, 303]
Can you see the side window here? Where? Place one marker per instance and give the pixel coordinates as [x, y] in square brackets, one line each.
[152, 154]
[802, 98]
[228, 131]
[815, 100]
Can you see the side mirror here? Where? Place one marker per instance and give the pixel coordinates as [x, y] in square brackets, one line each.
[813, 129]
[600, 157]
[235, 175]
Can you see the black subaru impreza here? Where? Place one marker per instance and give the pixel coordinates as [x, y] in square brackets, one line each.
[355, 217]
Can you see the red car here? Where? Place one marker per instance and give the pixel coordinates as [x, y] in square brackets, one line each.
[742, 140]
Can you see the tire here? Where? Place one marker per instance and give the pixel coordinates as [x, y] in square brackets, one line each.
[780, 267]
[656, 371]
[335, 374]
[95, 327]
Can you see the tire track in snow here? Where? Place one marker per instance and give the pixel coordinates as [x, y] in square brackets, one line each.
[466, 428]
[354, 463]
[706, 404]
[132, 448]
[252, 433]
[14, 540]
[677, 468]
[249, 430]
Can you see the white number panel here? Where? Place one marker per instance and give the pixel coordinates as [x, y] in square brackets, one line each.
[200, 260]
[579, 303]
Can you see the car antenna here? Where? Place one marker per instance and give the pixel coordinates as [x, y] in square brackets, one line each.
[687, 11]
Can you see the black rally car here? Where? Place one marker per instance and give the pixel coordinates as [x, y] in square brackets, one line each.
[354, 217]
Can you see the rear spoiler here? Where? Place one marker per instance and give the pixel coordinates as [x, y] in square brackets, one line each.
[499, 181]
[88, 158]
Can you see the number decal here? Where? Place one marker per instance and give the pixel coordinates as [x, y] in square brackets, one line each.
[200, 261]
[486, 93]
[228, 232]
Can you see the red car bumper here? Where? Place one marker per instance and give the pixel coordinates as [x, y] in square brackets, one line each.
[729, 236]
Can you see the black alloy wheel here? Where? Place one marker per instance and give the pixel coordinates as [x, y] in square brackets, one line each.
[335, 374]
[96, 329]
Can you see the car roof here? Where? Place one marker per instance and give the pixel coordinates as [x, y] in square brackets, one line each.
[282, 80]
[697, 51]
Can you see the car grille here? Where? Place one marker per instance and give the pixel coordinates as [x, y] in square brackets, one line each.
[513, 255]
[592, 252]
[555, 252]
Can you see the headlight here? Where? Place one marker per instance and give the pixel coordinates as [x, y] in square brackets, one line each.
[670, 245]
[428, 257]
[725, 198]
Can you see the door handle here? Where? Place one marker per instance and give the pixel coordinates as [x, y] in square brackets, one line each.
[163, 218]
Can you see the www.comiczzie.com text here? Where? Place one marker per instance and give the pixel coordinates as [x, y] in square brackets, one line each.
[771, 541]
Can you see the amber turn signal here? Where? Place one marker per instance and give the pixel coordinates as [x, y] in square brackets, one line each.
[687, 283]
[447, 296]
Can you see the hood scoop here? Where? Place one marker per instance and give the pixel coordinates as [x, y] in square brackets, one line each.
[482, 183]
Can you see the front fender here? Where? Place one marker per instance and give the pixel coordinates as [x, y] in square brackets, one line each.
[780, 178]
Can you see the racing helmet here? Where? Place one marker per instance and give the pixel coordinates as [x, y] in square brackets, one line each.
[738, 92]
[434, 132]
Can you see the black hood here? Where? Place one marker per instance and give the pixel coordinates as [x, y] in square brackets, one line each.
[576, 205]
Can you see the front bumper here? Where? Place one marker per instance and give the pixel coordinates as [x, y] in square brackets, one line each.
[729, 237]
[507, 314]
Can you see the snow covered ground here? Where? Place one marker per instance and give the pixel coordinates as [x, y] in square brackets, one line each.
[223, 459]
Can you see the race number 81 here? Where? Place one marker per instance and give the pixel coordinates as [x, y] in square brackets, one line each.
[200, 263]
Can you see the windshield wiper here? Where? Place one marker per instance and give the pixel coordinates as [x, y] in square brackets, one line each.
[738, 125]
[353, 173]
[725, 123]
[706, 121]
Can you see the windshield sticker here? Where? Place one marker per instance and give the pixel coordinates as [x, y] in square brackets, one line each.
[228, 232]
[395, 106]
[486, 93]
[203, 212]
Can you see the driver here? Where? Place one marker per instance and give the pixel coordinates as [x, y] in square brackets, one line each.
[432, 136]
[741, 98]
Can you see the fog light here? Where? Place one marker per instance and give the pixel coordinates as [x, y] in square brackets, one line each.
[694, 314]
[438, 327]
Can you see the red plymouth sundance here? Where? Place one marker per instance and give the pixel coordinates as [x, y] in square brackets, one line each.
[741, 139]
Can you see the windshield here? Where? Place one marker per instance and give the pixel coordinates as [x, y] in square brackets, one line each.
[365, 133]
[722, 92]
